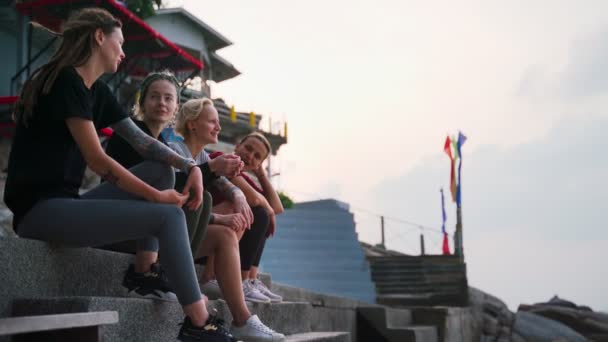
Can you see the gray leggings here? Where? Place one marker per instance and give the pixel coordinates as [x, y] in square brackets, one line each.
[107, 214]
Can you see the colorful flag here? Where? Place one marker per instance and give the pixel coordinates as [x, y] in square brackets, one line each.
[285, 130]
[445, 246]
[461, 140]
[447, 147]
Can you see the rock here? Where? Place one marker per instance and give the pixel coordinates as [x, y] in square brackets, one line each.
[491, 326]
[532, 327]
[517, 338]
[577, 318]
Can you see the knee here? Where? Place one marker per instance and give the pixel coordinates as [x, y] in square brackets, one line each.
[163, 173]
[173, 217]
[227, 238]
[261, 218]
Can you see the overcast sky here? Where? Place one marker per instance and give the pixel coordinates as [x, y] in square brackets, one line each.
[371, 88]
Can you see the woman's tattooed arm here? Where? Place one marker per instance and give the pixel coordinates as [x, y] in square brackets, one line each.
[148, 147]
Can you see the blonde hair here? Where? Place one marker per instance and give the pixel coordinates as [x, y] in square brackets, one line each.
[190, 111]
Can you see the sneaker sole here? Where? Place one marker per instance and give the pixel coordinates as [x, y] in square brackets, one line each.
[259, 339]
[164, 297]
[253, 300]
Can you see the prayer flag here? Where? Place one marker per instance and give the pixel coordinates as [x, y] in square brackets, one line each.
[252, 119]
[447, 147]
[232, 114]
[446, 245]
[461, 140]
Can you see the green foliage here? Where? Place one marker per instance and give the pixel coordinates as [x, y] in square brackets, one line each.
[143, 8]
[285, 200]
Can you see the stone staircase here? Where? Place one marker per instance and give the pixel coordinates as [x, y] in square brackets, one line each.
[39, 278]
[403, 281]
[316, 248]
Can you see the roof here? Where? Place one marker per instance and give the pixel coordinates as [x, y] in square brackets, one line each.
[222, 69]
[214, 39]
[141, 40]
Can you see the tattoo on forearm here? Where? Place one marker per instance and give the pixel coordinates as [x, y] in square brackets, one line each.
[110, 177]
[148, 147]
[229, 190]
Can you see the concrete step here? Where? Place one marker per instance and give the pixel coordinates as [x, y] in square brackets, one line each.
[400, 300]
[316, 224]
[275, 264]
[286, 242]
[150, 320]
[329, 273]
[310, 251]
[307, 234]
[319, 214]
[320, 337]
[394, 325]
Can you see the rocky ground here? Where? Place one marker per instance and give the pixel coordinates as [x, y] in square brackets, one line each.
[553, 321]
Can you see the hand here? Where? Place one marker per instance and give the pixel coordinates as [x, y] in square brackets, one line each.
[170, 196]
[235, 222]
[272, 225]
[241, 207]
[227, 165]
[260, 171]
[194, 188]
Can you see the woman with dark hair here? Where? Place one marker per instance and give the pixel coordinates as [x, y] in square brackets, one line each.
[62, 106]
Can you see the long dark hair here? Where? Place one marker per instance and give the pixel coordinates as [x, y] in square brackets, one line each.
[75, 49]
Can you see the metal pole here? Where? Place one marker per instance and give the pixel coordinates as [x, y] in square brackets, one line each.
[458, 245]
[422, 250]
[382, 231]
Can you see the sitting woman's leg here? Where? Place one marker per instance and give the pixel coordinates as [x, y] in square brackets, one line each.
[253, 239]
[198, 221]
[222, 242]
[91, 222]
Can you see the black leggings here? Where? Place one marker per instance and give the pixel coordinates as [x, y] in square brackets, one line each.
[107, 214]
[253, 241]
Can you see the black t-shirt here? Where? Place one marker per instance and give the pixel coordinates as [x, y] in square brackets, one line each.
[45, 161]
[119, 149]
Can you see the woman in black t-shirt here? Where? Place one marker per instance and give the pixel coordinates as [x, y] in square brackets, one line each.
[60, 110]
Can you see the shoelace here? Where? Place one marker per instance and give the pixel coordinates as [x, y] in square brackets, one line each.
[263, 328]
[260, 285]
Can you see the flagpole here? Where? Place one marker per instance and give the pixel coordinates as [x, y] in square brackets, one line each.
[458, 246]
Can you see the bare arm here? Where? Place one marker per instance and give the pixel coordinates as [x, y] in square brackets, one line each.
[236, 196]
[269, 193]
[253, 197]
[85, 135]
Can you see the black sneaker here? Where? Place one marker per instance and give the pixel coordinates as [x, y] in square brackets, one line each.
[152, 284]
[213, 331]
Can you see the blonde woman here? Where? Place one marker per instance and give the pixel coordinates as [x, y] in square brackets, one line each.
[198, 122]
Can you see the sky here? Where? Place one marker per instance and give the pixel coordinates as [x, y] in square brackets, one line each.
[370, 89]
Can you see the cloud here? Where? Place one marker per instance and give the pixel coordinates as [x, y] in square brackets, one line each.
[582, 76]
[532, 213]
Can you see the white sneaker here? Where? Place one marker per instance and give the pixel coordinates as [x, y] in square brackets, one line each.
[255, 331]
[211, 289]
[260, 286]
[252, 294]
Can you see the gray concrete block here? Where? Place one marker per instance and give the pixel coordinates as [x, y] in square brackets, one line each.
[320, 337]
[150, 320]
[30, 268]
[334, 319]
